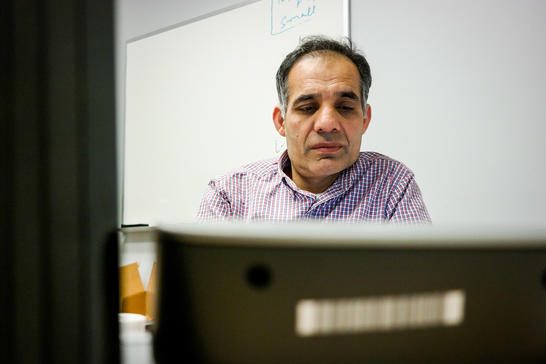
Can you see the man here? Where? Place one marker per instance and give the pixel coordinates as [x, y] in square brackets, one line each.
[323, 88]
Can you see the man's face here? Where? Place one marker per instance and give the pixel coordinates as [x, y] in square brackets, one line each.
[324, 120]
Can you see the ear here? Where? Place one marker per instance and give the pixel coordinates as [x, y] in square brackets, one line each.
[367, 117]
[278, 120]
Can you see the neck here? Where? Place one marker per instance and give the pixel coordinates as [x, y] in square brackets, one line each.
[314, 185]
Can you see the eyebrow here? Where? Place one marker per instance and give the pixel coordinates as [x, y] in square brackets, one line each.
[348, 94]
[304, 97]
[344, 94]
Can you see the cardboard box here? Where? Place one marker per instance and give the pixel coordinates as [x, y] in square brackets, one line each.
[134, 298]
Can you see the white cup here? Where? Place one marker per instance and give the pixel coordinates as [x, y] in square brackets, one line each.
[135, 341]
[131, 322]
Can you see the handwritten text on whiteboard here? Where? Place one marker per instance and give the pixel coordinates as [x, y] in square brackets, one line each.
[287, 14]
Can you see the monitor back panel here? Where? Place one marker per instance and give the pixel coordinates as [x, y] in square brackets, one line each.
[223, 303]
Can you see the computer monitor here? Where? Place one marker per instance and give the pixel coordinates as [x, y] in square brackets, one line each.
[340, 293]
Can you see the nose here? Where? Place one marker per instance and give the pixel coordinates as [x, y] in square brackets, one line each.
[327, 120]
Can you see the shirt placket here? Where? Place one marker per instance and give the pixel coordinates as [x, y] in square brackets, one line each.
[321, 201]
[340, 187]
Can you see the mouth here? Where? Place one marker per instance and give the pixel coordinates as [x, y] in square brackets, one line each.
[326, 148]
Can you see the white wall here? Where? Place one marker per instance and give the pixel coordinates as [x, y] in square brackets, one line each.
[458, 94]
[458, 91]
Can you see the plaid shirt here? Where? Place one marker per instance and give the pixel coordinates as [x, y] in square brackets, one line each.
[375, 188]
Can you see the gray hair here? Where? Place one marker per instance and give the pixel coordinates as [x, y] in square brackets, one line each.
[317, 45]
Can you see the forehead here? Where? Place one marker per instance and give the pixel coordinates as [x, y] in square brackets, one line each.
[324, 70]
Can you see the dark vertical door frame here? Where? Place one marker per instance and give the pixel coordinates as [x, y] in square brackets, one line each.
[58, 182]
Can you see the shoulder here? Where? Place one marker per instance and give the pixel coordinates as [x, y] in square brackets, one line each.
[262, 170]
[377, 166]
[381, 161]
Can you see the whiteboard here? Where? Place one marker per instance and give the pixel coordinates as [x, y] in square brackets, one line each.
[199, 99]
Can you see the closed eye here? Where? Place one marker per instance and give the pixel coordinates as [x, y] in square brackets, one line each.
[307, 109]
[346, 108]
